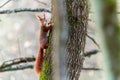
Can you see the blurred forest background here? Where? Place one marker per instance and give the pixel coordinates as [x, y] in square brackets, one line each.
[19, 38]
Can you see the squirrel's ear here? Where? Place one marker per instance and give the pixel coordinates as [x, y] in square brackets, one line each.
[38, 17]
[44, 15]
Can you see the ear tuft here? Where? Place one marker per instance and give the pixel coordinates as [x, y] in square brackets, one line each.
[38, 17]
[44, 15]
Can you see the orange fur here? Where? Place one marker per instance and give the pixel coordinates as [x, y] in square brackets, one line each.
[43, 44]
[39, 61]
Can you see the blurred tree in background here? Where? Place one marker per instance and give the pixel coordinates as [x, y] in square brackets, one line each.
[109, 34]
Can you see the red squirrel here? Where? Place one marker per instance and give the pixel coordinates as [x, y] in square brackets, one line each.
[43, 43]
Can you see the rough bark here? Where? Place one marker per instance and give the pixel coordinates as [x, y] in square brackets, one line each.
[76, 14]
[77, 11]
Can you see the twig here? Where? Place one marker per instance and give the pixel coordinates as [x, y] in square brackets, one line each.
[15, 64]
[93, 40]
[41, 2]
[96, 69]
[91, 12]
[90, 53]
[16, 61]
[24, 10]
[30, 66]
[5, 3]
[20, 67]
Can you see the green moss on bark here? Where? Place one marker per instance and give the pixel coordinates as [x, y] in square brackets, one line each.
[47, 66]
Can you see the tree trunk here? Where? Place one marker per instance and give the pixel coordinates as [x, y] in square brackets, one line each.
[76, 12]
[109, 36]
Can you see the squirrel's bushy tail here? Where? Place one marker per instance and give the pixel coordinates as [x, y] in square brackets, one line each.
[39, 61]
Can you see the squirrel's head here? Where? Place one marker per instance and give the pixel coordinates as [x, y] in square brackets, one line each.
[43, 21]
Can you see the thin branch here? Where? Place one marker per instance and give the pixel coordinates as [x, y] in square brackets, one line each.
[30, 66]
[91, 12]
[93, 40]
[90, 53]
[16, 61]
[5, 3]
[95, 69]
[15, 64]
[14, 68]
[41, 2]
[24, 10]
